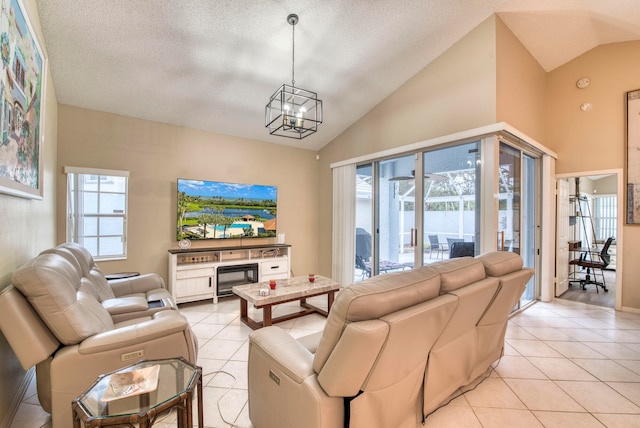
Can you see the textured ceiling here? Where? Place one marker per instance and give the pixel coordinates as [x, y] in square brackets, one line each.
[212, 65]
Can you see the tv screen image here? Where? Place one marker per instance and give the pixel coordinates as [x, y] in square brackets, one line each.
[219, 210]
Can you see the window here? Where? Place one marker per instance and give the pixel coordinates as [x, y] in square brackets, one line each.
[605, 216]
[97, 211]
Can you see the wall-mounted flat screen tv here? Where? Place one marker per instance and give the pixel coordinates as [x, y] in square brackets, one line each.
[218, 210]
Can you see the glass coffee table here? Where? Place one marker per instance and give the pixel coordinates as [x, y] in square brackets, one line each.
[287, 290]
[140, 393]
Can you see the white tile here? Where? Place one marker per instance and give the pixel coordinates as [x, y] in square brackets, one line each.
[615, 351]
[584, 335]
[567, 419]
[506, 418]
[517, 332]
[452, 417]
[493, 392]
[633, 365]
[560, 369]
[630, 390]
[234, 332]
[607, 370]
[233, 374]
[619, 421]
[543, 395]
[547, 333]
[575, 350]
[518, 367]
[598, 397]
[29, 415]
[216, 349]
[532, 348]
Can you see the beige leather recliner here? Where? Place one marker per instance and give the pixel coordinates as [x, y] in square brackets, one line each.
[52, 319]
[124, 299]
[394, 347]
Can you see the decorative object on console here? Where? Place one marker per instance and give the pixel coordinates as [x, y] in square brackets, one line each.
[184, 244]
[218, 210]
[293, 112]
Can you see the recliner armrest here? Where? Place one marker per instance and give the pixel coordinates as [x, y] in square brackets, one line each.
[287, 353]
[163, 324]
[136, 284]
[126, 304]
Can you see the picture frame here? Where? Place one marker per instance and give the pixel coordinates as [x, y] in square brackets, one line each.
[22, 90]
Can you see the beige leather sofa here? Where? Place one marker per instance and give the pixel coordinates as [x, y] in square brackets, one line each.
[394, 347]
[54, 317]
[124, 299]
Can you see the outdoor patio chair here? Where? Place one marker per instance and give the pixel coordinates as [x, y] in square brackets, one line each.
[436, 246]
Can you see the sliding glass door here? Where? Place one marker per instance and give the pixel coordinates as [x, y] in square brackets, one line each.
[450, 200]
[396, 214]
[518, 214]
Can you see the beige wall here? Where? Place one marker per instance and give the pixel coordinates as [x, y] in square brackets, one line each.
[156, 155]
[606, 185]
[595, 140]
[520, 83]
[27, 227]
[455, 93]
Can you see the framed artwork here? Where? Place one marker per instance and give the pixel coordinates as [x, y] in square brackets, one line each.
[21, 103]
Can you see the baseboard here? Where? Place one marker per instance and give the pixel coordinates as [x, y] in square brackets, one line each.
[18, 398]
[628, 309]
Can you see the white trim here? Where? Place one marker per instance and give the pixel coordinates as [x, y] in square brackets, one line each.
[95, 171]
[548, 228]
[463, 135]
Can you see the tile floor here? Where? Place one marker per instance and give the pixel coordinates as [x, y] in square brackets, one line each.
[566, 364]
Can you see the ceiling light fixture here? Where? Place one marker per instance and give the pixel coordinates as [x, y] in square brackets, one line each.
[293, 112]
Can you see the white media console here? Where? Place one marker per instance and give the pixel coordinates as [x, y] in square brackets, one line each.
[208, 273]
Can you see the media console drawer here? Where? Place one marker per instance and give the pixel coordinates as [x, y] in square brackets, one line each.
[273, 267]
[194, 272]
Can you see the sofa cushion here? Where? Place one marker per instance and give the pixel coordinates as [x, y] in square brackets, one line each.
[53, 286]
[372, 299]
[458, 273]
[498, 263]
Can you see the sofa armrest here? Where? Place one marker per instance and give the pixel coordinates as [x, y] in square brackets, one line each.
[136, 284]
[163, 324]
[126, 304]
[287, 353]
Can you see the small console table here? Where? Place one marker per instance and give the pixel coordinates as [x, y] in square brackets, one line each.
[177, 379]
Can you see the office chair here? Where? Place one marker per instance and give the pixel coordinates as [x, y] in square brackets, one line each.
[590, 264]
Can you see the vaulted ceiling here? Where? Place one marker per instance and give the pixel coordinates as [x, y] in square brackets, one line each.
[213, 64]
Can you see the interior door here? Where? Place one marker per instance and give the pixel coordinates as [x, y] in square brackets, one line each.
[563, 236]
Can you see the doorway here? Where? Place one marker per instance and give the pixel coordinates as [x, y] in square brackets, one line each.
[589, 210]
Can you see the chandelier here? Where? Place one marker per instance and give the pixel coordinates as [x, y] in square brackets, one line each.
[291, 111]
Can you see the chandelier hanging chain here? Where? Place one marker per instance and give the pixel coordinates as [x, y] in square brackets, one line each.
[293, 51]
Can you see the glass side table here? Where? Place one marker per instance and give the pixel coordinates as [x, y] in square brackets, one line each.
[175, 389]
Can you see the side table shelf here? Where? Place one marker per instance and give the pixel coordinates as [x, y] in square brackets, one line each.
[177, 380]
